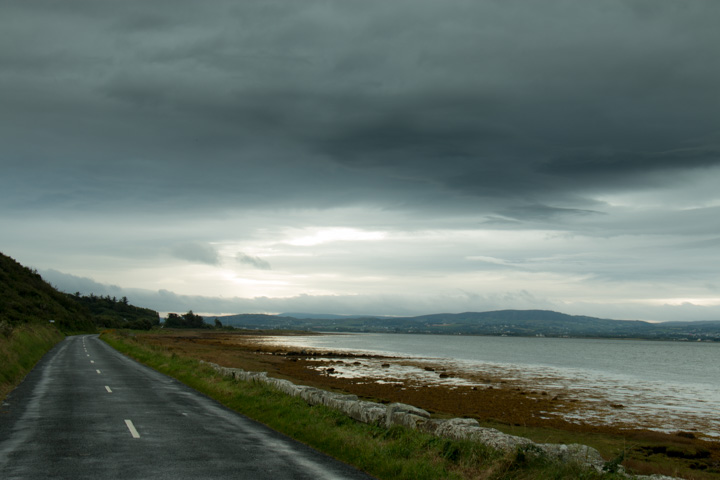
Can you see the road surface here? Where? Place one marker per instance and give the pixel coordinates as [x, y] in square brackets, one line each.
[86, 411]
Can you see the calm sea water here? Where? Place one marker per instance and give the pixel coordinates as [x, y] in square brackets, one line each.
[665, 386]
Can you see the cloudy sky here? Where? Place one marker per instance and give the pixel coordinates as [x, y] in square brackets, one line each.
[380, 157]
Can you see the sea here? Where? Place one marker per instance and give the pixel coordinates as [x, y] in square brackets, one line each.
[658, 385]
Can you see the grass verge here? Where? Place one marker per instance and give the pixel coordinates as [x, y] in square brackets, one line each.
[20, 349]
[395, 453]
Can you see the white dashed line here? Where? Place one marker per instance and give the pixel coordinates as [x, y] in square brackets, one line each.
[131, 427]
[108, 389]
[91, 361]
[97, 371]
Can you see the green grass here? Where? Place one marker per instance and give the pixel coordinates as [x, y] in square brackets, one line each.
[395, 453]
[20, 349]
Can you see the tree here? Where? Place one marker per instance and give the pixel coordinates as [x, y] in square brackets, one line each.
[193, 321]
[218, 323]
[188, 320]
[174, 320]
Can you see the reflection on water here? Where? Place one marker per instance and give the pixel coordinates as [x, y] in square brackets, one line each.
[662, 386]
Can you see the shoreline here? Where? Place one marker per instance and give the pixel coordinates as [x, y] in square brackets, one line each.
[443, 387]
[578, 396]
[496, 401]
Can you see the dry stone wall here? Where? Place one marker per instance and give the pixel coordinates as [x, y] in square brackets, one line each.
[418, 419]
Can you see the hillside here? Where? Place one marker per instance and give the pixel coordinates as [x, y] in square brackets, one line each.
[26, 298]
[34, 316]
[502, 322]
[27, 306]
[529, 322]
[118, 313]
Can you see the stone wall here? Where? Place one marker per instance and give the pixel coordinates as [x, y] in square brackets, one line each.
[418, 419]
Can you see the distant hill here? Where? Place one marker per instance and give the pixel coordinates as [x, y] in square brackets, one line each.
[530, 322]
[25, 297]
[328, 316]
[260, 321]
[502, 322]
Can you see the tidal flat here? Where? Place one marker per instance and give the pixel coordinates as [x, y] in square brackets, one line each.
[535, 407]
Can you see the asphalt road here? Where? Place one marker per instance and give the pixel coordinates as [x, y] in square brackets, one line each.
[86, 411]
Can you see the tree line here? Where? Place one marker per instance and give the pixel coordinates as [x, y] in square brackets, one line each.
[188, 320]
[111, 312]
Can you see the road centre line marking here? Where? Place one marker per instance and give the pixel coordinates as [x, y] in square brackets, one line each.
[91, 361]
[97, 371]
[108, 389]
[131, 427]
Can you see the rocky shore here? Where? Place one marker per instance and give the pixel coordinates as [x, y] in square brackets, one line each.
[418, 419]
[472, 401]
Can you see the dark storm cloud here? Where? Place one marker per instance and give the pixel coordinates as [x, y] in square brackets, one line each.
[567, 148]
[508, 106]
[544, 212]
[622, 164]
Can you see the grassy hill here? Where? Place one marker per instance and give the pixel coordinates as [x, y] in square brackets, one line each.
[26, 298]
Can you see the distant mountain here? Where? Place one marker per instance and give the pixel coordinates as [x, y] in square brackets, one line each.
[699, 324]
[530, 322]
[502, 322]
[328, 316]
